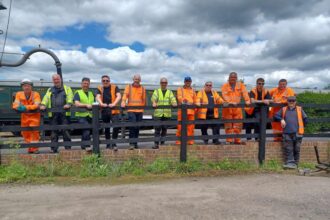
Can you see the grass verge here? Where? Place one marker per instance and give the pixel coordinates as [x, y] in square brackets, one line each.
[93, 169]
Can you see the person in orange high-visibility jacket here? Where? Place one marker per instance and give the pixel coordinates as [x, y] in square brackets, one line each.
[279, 95]
[233, 92]
[28, 100]
[134, 95]
[186, 95]
[208, 96]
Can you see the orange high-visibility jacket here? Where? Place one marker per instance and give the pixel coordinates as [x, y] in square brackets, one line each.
[186, 94]
[113, 96]
[203, 100]
[234, 96]
[280, 96]
[300, 118]
[31, 104]
[135, 96]
[249, 110]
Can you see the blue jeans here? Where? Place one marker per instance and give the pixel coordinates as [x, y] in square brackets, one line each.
[134, 131]
[86, 133]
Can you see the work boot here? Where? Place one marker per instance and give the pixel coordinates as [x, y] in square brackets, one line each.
[108, 146]
[54, 150]
[131, 147]
[115, 148]
[217, 142]
[33, 150]
[156, 146]
[206, 141]
[89, 149]
[290, 166]
[162, 142]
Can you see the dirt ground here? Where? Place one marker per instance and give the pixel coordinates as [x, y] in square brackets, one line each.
[262, 196]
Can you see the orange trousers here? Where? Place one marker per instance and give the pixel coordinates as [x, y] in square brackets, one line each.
[233, 128]
[276, 126]
[30, 120]
[190, 128]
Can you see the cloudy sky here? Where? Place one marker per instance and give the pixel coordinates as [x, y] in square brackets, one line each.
[173, 38]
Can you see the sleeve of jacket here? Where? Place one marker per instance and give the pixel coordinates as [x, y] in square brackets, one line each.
[46, 98]
[69, 96]
[245, 94]
[278, 115]
[199, 97]
[218, 98]
[224, 93]
[179, 95]
[154, 97]
[36, 102]
[125, 94]
[172, 98]
[16, 102]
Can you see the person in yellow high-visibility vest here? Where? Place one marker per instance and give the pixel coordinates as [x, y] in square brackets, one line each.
[58, 96]
[208, 96]
[161, 97]
[84, 98]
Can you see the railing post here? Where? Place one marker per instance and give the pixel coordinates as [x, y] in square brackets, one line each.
[262, 133]
[95, 133]
[183, 138]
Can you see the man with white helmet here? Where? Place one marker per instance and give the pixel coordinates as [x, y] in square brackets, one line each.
[28, 100]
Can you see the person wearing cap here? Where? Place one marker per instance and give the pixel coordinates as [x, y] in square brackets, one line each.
[28, 100]
[257, 95]
[232, 92]
[186, 95]
[161, 97]
[293, 120]
[279, 95]
[84, 98]
[108, 95]
[58, 96]
[134, 95]
[210, 97]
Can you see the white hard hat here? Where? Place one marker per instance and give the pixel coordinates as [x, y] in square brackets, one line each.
[26, 81]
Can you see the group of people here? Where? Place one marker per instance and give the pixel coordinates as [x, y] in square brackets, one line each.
[288, 121]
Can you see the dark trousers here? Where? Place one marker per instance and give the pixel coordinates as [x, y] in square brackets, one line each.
[255, 126]
[215, 129]
[59, 119]
[106, 118]
[134, 131]
[160, 131]
[86, 133]
[291, 147]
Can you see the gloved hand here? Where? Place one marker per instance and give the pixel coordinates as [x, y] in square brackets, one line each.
[21, 108]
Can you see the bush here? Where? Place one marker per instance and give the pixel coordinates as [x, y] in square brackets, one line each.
[317, 98]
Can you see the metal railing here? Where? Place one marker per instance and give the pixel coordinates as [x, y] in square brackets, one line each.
[97, 124]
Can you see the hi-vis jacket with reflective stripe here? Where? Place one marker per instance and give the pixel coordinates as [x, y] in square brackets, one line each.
[203, 100]
[234, 96]
[300, 118]
[113, 96]
[160, 99]
[85, 100]
[47, 100]
[134, 96]
[188, 94]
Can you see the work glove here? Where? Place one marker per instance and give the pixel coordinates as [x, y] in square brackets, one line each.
[21, 108]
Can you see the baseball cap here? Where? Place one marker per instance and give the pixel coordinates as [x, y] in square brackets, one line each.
[187, 78]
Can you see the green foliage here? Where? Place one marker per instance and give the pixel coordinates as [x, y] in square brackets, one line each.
[161, 166]
[272, 165]
[317, 98]
[227, 164]
[93, 166]
[192, 165]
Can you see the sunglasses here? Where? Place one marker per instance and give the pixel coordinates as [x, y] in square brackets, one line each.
[209, 85]
[291, 101]
[105, 80]
[261, 83]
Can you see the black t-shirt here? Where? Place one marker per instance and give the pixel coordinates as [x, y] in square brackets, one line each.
[107, 94]
[267, 96]
[210, 111]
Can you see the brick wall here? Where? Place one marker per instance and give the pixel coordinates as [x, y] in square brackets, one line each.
[248, 152]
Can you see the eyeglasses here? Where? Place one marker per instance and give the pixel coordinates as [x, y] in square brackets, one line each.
[291, 100]
[105, 80]
[261, 83]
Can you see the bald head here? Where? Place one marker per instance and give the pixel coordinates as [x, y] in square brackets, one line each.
[232, 79]
[136, 79]
[57, 80]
